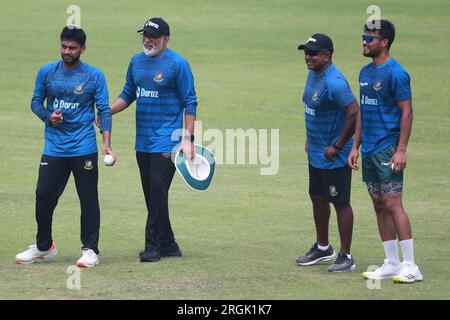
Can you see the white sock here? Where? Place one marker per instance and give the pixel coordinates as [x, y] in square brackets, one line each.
[391, 251]
[323, 248]
[407, 250]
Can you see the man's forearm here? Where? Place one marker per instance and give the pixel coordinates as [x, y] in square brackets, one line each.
[189, 121]
[405, 129]
[106, 139]
[118, 105]
[38, 109]
[357, 135]
[349, 124]
[405, 124]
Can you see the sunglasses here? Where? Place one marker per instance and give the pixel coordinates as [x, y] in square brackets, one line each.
[313, 53]
[369, 38]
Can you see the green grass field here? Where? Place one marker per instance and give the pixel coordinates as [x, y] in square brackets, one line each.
[240, 239]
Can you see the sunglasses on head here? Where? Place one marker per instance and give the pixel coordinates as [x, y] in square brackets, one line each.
[369, 38]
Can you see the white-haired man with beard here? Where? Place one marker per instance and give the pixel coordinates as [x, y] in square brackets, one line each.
[162, 84]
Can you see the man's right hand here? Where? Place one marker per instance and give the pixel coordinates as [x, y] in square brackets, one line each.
[56, 117]
[353, 159]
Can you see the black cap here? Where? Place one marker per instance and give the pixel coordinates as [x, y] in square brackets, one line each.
[156, 27]
[318, 42]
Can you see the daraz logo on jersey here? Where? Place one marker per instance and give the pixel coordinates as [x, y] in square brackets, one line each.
[61, 104]
[310, 111]
[368, 101]
[141, 92]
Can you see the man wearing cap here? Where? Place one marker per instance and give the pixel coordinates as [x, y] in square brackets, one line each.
[330, 113]
[383, 129]
[162, 84]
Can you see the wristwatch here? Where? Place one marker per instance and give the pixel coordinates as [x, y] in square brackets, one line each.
[335, 145]
[190, 137]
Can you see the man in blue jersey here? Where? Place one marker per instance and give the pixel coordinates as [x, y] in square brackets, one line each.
[71, 88]
[330, 113]
[161, 83]
[383, 129]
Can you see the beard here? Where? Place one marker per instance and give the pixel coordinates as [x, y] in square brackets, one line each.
[371, 53]
[154, 51]
[70, 60]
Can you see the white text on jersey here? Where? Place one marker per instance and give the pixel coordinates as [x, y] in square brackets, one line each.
[141, 92]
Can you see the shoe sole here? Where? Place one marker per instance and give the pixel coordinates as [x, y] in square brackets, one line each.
[171, 255]
[366, 277]
[351, 268]
[398, 280]
[149, 260]
[85, 266]
[24, 262]
[321, 259]
[43, 258]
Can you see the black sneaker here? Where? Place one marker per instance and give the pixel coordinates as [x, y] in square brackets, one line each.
[173, 250]
[150, 254]
[315, 255]
[343, 263]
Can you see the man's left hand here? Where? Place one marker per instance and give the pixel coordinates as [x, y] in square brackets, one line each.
[188, 149]
[398, 161]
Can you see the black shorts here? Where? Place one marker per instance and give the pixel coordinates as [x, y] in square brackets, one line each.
[333, 184]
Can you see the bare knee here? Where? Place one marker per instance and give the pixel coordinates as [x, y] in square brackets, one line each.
[393, 203]
[378, 203]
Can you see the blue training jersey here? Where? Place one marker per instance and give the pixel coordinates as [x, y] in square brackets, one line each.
[325, 97]
[381, 87]
[163, 87]
[74, 92]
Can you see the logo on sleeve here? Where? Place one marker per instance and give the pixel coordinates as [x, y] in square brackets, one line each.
[315, 96]
[158, 77]
[78, 89]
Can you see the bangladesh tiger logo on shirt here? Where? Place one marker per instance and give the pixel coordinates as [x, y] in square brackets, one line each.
[377, 85]
[158, 77]
[78, 89]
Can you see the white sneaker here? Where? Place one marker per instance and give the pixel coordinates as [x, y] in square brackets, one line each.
[386, 271]
[409, 273]
[33, 253]
[88, 259]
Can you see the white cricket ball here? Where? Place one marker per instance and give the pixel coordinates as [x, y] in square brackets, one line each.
[108, 160]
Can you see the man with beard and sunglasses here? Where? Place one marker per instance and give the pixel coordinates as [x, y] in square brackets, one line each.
[330, 113]
[71, 88]
[162, 84]
[383, 129]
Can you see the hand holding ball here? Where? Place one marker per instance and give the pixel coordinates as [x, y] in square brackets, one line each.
[108, 160]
